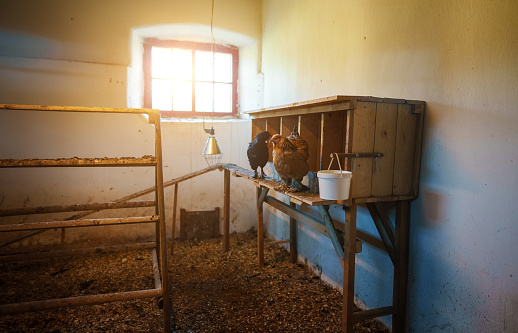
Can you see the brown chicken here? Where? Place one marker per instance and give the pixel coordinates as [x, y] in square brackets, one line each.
[290, 159]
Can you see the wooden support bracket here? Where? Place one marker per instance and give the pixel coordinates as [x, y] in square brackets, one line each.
[386, 234]
[337, 244]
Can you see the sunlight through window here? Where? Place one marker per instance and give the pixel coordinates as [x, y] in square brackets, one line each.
[190, 78]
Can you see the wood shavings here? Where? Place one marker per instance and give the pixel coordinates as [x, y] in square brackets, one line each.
[211, 291]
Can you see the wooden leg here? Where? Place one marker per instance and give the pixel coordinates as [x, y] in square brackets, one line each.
[161, 228]
[349, 265]
[293, 237]
[260, 228]
[173, 227]
[226, 213]
[402, 232]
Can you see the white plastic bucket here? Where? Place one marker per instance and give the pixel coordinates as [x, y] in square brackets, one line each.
[334, 184]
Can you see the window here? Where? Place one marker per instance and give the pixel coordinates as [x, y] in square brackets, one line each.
[186, 79]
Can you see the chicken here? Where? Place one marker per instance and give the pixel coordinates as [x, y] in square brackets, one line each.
[290, 159]
[257, 152]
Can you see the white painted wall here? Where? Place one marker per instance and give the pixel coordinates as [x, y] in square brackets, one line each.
[459, 57]
[84, 54]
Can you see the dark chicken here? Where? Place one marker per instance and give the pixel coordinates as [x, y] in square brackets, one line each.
[257, 152]
[290, 159]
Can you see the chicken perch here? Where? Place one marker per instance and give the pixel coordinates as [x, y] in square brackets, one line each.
[257, 152]
[290, 159]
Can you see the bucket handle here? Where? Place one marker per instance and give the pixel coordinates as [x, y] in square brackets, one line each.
[338, 160]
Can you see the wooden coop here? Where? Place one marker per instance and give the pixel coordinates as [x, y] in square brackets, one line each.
[82, 210]
[379, 140]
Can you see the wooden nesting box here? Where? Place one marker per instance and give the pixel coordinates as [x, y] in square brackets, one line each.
[362, 128]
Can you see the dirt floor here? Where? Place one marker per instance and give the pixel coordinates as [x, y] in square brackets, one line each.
[212, 291]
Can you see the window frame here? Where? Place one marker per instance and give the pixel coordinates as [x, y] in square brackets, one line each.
[196, 46]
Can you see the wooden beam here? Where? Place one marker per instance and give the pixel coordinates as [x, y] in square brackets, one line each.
[80, 162]
[226, 212]
[278, 242]
[371, 240]
[75, 109]
[293, 236]
[401, 265]
[173, 226]
[373, 313]
[260, 226]
[349, 269]
[76, 223]
[74, 208]
[338, 246]
[307, 219]
[384, 234]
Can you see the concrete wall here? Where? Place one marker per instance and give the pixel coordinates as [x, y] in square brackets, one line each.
[86, 54]
[459, 57]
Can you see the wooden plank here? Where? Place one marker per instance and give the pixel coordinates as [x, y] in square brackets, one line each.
[331, 231]
[226, 212]
[400, 289]
[308, 220]
[147, 160]
[309, 130]
[303, 110]
[287, 124]
[308, 198]
[8, 258]
[371, 240]
[50, 304]
[301, 217]
[373, 313]
[260, 226]
[258, 126]
[273, 125]
[173, 226]
[418, 109]
[293, 236]
[384, 142]
[278, 242]
[405, 150]
[327, 104]
[362, 141]
[76, 207]
[333, 135]
[77, 223]
[75, 109]
[349, 269]
[386, 234]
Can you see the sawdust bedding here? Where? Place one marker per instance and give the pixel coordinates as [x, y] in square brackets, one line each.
[211, 291]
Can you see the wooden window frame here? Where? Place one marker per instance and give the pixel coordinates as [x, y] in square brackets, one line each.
[150, 42]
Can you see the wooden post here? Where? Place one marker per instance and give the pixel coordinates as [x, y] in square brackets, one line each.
[173, 227]
[349, 265]
[260, 228]
[226, 212]
[293, 236]
[402, 228]
[162, 247]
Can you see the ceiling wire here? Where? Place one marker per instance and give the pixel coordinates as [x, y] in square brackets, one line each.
[213, 47]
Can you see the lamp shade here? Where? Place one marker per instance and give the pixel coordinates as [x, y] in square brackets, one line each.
[211, 152]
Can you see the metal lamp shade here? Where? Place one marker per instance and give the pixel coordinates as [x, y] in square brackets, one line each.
[211, 152]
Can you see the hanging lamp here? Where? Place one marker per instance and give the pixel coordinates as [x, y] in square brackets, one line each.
[211, 152]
